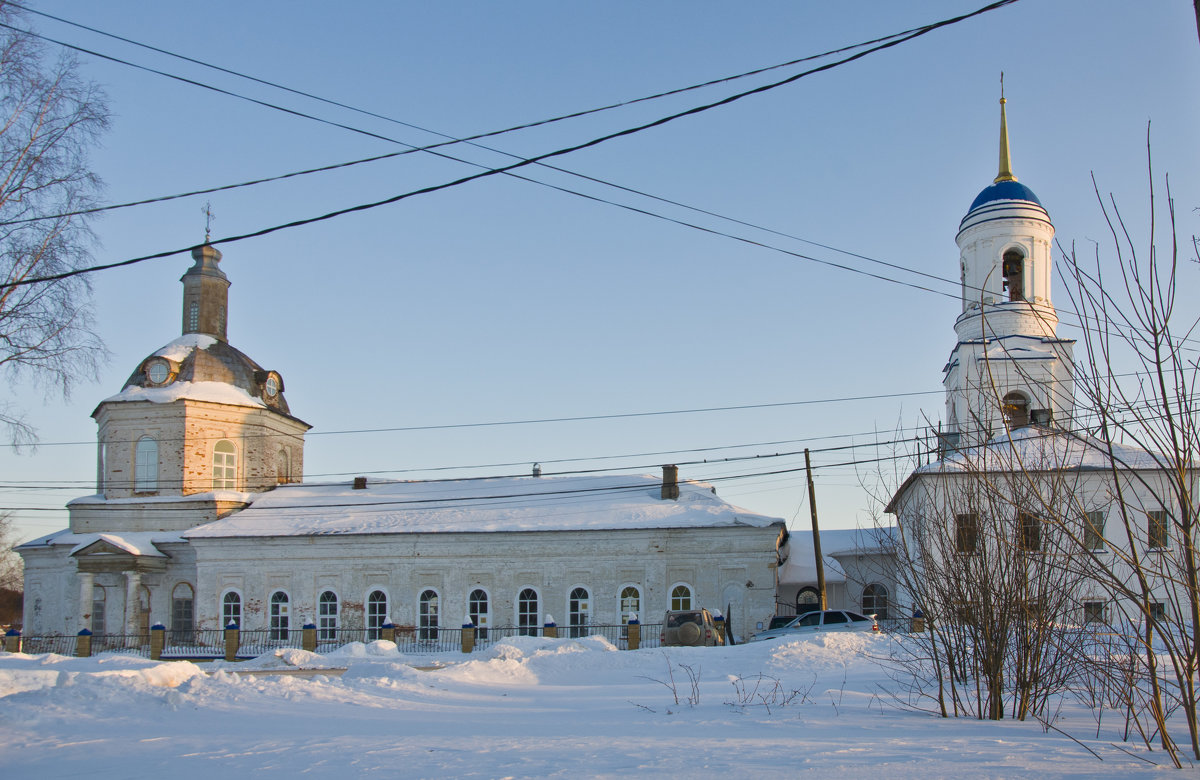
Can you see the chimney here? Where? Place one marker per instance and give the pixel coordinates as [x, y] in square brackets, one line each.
[360, 483]
[670, 483]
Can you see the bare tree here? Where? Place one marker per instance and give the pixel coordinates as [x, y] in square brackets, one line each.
[1139, 321]
[49, 118]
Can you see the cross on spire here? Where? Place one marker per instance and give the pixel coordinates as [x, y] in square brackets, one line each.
[208, 220]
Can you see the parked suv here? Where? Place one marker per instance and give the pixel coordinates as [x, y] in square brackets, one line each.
[690, 628]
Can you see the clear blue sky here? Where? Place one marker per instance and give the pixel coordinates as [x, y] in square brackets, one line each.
[504, 300]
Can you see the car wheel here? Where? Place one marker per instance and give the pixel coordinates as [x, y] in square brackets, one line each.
[689, 634]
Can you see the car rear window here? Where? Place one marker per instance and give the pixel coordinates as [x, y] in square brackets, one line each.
[835, 617]
[683, 617]
[781, 620]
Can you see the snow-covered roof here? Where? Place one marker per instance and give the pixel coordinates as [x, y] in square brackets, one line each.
[234, 496]
[216, 392]
[1036, 448]
[801, 565]
[481, 506]
[136, 543]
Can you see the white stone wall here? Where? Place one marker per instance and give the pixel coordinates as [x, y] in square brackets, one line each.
[716, 562]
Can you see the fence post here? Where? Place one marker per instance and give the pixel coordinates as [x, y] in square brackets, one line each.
[388, 631]
[551, 628]
[633, 634]
[12, 641]
[918, 622]
[309, 638]
[468, 637]
[83, 644]
[719, 622]
[232, 640]
[158, 637]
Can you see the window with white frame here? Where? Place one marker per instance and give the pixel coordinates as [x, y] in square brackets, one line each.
[98, 604]
[182, 603]
[579, 605]
[231, 609]
[527, 612]
[377, 609]
[875, 601]
[1157, 524]
[631, 603]
[427, 614]
[681, 597]
[479, 611]
[1093, 530]
[145, 466]
[808, 599]
[966, 533]
[1093, 612]
[224, 465]
[280, 617]
[327, 616]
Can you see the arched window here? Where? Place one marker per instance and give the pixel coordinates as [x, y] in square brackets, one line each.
[98, 603]
[282, 474]
[231, 609]
[1016, 410]
[875, 601]
[279, 616]
[631, 603]
[480, 611]
[527, 612]
[327, 616]
[681, 597]
[145, 466]
[377, 609]
[807, 600]
[1014, 274]
[578, 609]
[224, 466]
[427, 614]
[182, 600]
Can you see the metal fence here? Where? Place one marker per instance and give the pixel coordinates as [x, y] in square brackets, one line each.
[210, 643]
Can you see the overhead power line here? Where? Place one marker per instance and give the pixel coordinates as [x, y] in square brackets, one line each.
[523, 162]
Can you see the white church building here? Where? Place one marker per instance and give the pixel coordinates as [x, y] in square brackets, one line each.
[200, 519]
[1016, 471]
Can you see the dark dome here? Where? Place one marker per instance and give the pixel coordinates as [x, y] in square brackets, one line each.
[197, 357]
[1004, 190]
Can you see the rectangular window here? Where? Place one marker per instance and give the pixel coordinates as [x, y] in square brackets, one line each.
[1158, 611]
[966, 533]
[1029, 532]
[1093, 531]
[1156, 530]
[1093, 612]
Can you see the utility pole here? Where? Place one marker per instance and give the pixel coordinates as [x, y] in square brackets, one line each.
[812, 506]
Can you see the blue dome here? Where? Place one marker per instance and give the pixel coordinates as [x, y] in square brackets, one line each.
[1004, 190]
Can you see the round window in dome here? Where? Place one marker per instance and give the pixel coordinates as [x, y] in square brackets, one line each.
[158, 371]
[271, 386]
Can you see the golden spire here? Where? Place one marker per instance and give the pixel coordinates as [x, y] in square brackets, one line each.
[1005, 173]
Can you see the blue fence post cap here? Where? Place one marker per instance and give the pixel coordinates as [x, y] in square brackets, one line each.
[918, 613]
[158, 627]
[309, 625]
[84, 632]
[13, 632]
[634, 622]
[231, 624]
[388, 624]
[551, 625]
[468, 625]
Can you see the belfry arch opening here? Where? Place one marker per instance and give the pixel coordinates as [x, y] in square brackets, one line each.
[1016, 410]
[1013, 265]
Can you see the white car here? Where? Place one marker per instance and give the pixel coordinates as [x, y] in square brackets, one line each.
[818, 621]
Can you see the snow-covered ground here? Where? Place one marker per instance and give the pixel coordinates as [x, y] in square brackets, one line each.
[527, 707]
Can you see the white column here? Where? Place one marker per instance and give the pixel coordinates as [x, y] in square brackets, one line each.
[87, 582]
[133, 583]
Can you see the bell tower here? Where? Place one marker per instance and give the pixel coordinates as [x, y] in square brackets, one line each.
[1009, 368]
